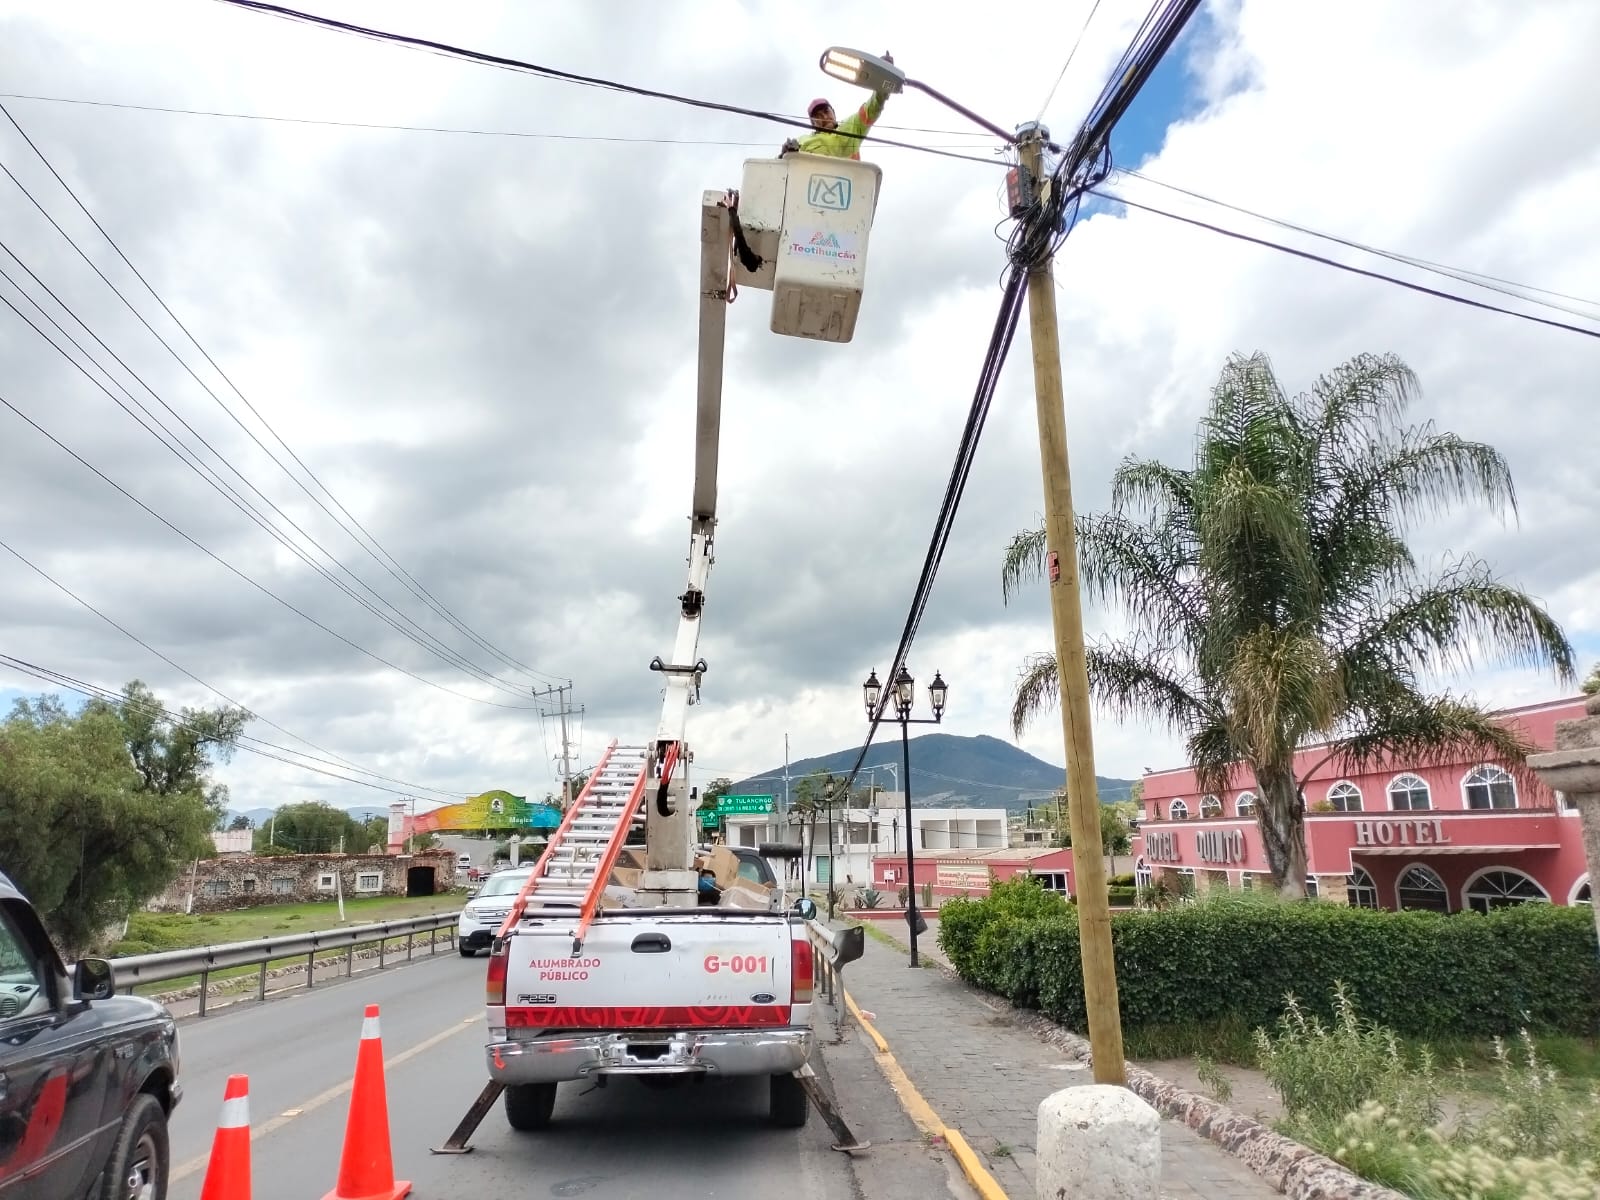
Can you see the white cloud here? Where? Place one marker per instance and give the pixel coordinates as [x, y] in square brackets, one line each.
[485, 346]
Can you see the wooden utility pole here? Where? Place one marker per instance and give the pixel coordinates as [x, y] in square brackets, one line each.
[1066, 612]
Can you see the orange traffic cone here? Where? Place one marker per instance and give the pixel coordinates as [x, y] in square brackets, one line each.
[366, 1170]
[228, 1172]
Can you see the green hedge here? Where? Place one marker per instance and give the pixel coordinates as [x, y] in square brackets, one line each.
[1535, 966]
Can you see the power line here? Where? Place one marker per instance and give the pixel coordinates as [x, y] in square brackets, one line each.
[210, 476]
[62, 446]
[502, 62]
[246, 743]
[446, 129]
[1328, 262]
[376, 549]
[1494, 283]
[1051, 95]
[334, 759]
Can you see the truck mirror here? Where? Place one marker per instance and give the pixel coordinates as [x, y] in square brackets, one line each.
[806, 908]
[93, 979]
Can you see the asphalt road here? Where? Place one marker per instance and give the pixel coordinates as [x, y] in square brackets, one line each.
[622, 1143]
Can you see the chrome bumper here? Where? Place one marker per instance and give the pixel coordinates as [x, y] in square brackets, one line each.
[720, 1052]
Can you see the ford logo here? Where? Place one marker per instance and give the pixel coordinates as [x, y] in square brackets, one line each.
[762, 998]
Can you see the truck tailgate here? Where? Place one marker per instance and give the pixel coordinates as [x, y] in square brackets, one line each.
[656, 970]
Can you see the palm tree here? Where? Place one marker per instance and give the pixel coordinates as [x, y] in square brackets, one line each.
[1273, 600]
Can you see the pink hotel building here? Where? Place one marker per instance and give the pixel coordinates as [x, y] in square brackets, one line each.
[1445, 838]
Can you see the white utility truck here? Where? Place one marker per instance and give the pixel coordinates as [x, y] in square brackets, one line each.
[603, 969]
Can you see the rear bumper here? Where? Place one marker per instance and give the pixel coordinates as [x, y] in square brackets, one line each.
[647, 1052]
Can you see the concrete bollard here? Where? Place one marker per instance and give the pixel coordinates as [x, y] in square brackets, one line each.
[1098, 1142]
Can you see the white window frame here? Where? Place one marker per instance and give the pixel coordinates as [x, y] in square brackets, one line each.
[1177, 806]
[1407, 779]
[1047, 880]
[1489, 776]
[1360, 881]
[1467, 892]
[1344, 788]
[282, 885]
[327, 881]
[1423, 868]
[1583, 882]
[362, 878]
[1210, 807]
[1245, 805]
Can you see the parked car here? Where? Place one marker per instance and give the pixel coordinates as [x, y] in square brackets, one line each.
[88, 1078]
[482, 915]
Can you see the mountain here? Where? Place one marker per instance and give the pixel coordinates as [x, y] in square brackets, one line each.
[946, 772]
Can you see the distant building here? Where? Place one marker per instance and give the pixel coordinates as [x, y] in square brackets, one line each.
[233, 841]
[245, 881]
[1466, 834]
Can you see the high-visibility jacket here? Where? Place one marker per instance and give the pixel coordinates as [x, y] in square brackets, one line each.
[838, 143]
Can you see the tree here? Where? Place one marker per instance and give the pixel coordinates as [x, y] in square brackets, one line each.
[240, 822]
[1273, 600]
[317, 828]
[174, 756]
[93, 824]
[1591, 684]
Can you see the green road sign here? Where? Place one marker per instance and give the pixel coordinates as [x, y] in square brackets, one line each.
[744, 806]
[710, 818]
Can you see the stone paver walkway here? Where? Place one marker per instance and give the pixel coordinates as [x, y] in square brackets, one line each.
[986, 1077]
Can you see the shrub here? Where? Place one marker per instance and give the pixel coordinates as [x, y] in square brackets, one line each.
[1120, 896]
[1237, 957]
[870, 898]
[1124, 880]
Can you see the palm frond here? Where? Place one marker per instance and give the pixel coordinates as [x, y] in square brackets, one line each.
[1024, 561]
[1038, 689]
[1435, 731]
[1449, 621]
[1144, 569]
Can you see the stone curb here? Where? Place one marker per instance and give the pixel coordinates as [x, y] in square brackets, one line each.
[1297, 1171]
[238, 983]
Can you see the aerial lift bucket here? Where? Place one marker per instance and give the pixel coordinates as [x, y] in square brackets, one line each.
[809, 218]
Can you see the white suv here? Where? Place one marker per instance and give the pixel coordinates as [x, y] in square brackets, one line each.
[487, 911]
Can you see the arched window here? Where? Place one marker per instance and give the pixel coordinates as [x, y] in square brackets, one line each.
[1210, 806]
[1143, 876]
[1359, 890]
[1245, 806]
[1421, 888]
[1501, 888]
[1489, 786]
[1584, 892]
[1179, 811]
[1345, 797]
[1407, 793]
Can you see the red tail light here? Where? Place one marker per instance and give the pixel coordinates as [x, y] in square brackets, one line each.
[494, 988]
[802, 971]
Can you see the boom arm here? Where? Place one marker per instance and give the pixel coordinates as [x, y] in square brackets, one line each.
[670, 826]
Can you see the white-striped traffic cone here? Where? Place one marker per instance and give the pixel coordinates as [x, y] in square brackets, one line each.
[228, 1172]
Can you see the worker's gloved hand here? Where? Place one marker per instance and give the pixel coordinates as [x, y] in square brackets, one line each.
[887, 57]
[790, 147]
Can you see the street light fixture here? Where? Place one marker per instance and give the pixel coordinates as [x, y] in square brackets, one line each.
[904, 697]
[880, 75]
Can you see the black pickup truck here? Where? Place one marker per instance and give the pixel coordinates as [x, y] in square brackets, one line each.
[88, 1078]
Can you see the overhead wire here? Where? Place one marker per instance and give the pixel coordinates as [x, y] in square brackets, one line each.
[251, 745]
[209, 553]
[1071, 54]
[333, 757]
[213, 479]
[1411, 285]
[447, 129]
[521, 66]
[376, 549]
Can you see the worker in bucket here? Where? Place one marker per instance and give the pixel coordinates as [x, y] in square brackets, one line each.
[835, 139]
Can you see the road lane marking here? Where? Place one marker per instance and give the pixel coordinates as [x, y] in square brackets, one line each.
[198, 1163]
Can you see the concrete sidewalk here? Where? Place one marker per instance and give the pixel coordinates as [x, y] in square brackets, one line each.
[986, 1077]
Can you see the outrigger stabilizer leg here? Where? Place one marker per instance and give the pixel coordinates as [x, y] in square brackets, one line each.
[824, 1104]
[456, 1143]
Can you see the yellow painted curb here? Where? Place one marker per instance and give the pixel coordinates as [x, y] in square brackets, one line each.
[922, 1114]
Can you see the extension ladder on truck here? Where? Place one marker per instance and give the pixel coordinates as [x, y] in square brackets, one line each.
[571, 874]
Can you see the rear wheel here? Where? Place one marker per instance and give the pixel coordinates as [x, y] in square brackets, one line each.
[530, 1105]
[466, 950]
[789, 1105]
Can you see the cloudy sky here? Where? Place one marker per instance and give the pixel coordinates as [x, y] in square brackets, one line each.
[483, 346]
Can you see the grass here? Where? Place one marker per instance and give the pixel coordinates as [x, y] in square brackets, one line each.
[151, 932]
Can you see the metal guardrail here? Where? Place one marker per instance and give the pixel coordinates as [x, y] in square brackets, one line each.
[164, 965]
[837, 947]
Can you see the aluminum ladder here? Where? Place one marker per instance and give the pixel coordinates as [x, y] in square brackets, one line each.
[570, 876]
